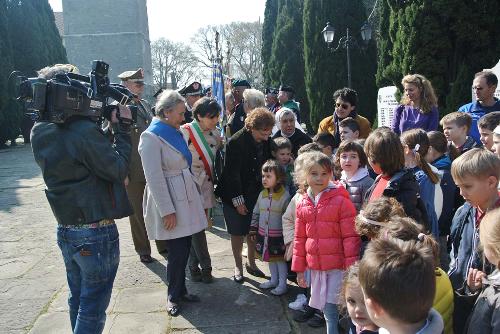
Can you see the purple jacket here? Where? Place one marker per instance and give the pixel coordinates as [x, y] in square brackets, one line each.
[407, 118]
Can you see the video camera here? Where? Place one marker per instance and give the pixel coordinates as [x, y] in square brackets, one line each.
[70, 94]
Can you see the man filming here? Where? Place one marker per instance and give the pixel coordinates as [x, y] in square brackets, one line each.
[84, 175]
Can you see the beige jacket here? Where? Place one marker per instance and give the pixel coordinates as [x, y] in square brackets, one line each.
[288, 221]
[170, 188]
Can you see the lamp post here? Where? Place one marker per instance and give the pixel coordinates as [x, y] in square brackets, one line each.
[346, 42]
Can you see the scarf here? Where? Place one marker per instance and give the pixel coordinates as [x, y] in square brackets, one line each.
[336, 122]
[172, 136]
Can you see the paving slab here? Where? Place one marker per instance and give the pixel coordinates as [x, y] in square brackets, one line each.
[33, 280]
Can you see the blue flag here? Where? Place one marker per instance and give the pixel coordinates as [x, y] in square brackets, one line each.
[218, 88]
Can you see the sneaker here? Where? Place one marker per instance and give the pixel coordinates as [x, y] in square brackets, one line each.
[279, 290]
[268, 285]
[304, 315]
[316, 321]
[298, 304]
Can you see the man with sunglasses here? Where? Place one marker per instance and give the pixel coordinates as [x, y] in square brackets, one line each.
[484, 87]
[345, 106]
[136, 182]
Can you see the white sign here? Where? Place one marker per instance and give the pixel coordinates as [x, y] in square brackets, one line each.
[386, 103]
[495, 70]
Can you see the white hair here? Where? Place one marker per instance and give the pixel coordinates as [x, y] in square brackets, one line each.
[286, 112]
[167, 100]
[254, 98]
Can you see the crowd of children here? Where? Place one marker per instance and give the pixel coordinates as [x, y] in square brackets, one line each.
[384, 234]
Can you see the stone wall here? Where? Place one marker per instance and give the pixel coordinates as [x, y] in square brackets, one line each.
[115, 31]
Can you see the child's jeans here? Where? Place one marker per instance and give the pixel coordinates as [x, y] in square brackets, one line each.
[331, 314]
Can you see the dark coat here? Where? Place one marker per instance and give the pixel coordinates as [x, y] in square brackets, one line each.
[84, 173]
[241, 175]
[298, 140]
[404, 188]
[451, 194]
[237, 119]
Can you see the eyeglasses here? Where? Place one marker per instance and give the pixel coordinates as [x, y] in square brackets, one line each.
[342, 105]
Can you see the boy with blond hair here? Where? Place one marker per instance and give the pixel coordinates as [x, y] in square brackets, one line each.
[456, 125]
[399, 283]
[476, 173]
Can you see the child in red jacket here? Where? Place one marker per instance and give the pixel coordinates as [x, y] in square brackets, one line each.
[325, 240]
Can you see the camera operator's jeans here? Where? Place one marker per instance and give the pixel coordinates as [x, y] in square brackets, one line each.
[91, 257]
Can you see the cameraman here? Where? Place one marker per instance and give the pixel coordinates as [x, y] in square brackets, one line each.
[84, 175]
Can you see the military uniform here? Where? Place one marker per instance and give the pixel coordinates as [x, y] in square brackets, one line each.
[136, 178]
[237, 119]
[194, 89]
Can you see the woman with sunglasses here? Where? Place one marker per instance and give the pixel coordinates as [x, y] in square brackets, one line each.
[418, 108]
[345, 106]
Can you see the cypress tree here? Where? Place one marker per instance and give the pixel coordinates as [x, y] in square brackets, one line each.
[33, 34]
[268, 27]
[447, 41]
[5, 69]
[51, 38]
[286, 65]
[325, 71]
[474, 46]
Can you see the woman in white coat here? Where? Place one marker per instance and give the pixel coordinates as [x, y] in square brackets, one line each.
[173, 209]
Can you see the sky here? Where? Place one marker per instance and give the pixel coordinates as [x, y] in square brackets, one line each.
[190, 15]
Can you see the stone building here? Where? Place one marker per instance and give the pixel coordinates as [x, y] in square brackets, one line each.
[115, 31]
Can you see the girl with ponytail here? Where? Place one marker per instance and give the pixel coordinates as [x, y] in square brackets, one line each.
[440, 155]
[416, 145]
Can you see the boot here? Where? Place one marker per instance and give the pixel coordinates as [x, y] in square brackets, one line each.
[195, 274]
[206, 275]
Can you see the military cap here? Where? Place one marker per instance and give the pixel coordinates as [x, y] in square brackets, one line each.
[133, 76]
[240, 83]
[158, 92]
[271, 91]
[285, 88]
[192, 89]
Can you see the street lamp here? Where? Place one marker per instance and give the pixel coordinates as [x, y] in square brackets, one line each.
[346, 42]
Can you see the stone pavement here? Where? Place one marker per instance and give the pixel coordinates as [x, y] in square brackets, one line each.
[33, 284]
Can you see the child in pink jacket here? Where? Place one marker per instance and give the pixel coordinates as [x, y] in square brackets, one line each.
[325, 239]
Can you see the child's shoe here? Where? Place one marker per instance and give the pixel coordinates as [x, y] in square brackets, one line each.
[318, 320]
[268, 285]
[298, 304]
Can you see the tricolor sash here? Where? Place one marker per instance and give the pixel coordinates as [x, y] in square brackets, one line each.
[201, 146]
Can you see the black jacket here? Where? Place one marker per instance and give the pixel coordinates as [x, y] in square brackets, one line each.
[241, 175]
[298, 140]
[83, 172]
[404, 188]
[238, 119]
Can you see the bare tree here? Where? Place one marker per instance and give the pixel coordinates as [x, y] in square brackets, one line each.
[172, 62]
[242, 42]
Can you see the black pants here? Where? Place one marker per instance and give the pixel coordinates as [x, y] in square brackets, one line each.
[178, 254]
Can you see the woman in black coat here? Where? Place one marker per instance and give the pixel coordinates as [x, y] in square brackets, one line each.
[241, 183]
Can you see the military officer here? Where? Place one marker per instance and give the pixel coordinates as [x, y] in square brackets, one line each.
[134, 81]
[237, 119]
[191, 93]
